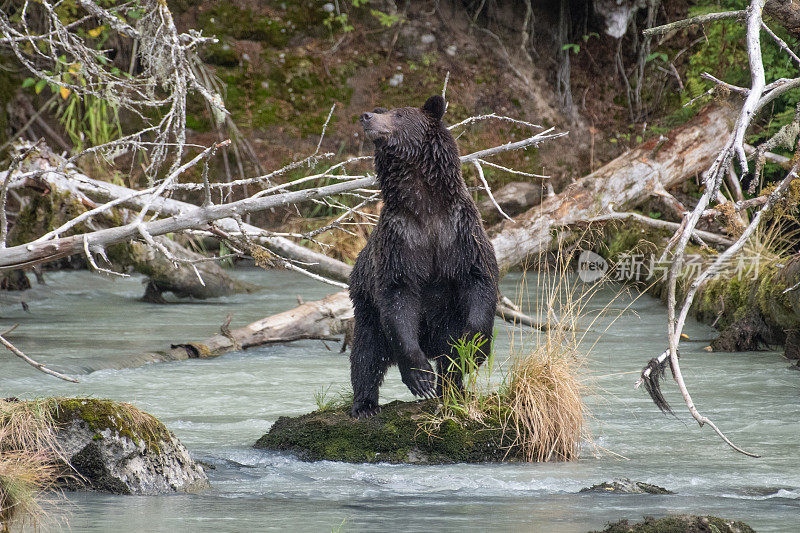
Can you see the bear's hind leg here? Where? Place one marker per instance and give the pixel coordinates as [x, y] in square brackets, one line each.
[369, 359]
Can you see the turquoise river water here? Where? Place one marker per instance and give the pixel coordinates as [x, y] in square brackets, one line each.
[91, 327]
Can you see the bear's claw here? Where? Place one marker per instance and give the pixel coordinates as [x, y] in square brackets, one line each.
[419, 383]
[364, 411]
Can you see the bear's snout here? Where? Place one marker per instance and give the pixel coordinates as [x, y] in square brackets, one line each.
[377, 126]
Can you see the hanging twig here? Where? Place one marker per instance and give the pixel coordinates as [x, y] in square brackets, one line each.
[39, 366]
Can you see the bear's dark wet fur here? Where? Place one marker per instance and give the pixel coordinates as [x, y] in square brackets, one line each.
[428, 274]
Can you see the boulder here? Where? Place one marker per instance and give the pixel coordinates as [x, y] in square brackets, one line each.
[402, 432]
[679, 524]
[114, 447]
[626, 486]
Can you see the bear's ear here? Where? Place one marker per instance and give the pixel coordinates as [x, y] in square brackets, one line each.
[435, 106]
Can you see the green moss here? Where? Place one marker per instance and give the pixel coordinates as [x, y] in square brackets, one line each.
[45, 212]
[101, 415]
[729, 301]
[226, 20]
[395, 435]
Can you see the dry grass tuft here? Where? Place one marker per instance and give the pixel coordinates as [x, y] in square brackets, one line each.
[545, 410]
[28, 460]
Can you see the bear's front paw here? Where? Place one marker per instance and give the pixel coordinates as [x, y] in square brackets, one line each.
[364, 409]
[420, 378]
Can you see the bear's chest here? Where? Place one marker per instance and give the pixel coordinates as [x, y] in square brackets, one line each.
[429, 243]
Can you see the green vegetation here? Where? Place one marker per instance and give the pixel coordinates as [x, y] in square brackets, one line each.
[121, 418]
[28, 455]
[392, 436]
[746, 301]
[723, 55]
[44, 213]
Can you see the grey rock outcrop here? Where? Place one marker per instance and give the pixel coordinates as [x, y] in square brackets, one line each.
[114, 447]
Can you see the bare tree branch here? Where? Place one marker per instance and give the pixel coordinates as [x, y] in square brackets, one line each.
[39, 366]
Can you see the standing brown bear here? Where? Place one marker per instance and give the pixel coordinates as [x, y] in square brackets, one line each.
[428, 274]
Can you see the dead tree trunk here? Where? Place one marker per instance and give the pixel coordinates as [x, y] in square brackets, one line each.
[198, 279]
[621, 184]
[318, 263]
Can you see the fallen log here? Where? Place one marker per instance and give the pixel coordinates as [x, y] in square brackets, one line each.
[190, 275]
[74, 181]
[622, 184]
[322, 319]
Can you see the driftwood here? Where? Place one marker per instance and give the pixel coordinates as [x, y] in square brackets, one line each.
[322, 319]
[624, 183]
[73, 181]
[327, 319]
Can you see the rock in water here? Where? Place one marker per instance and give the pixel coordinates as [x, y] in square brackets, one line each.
[398, 434]
[626, 486]
[679, 524]
[117, 448]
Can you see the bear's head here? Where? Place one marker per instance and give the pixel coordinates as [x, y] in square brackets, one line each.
[404, 127]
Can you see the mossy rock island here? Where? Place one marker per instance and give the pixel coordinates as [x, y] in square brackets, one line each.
[679, 524]
[403, 432]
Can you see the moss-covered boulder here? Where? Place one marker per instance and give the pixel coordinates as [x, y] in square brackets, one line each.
[679, 524]
[115, 447]
[403, 432]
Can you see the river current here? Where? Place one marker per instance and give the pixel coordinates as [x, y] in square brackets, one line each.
[93, 327]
